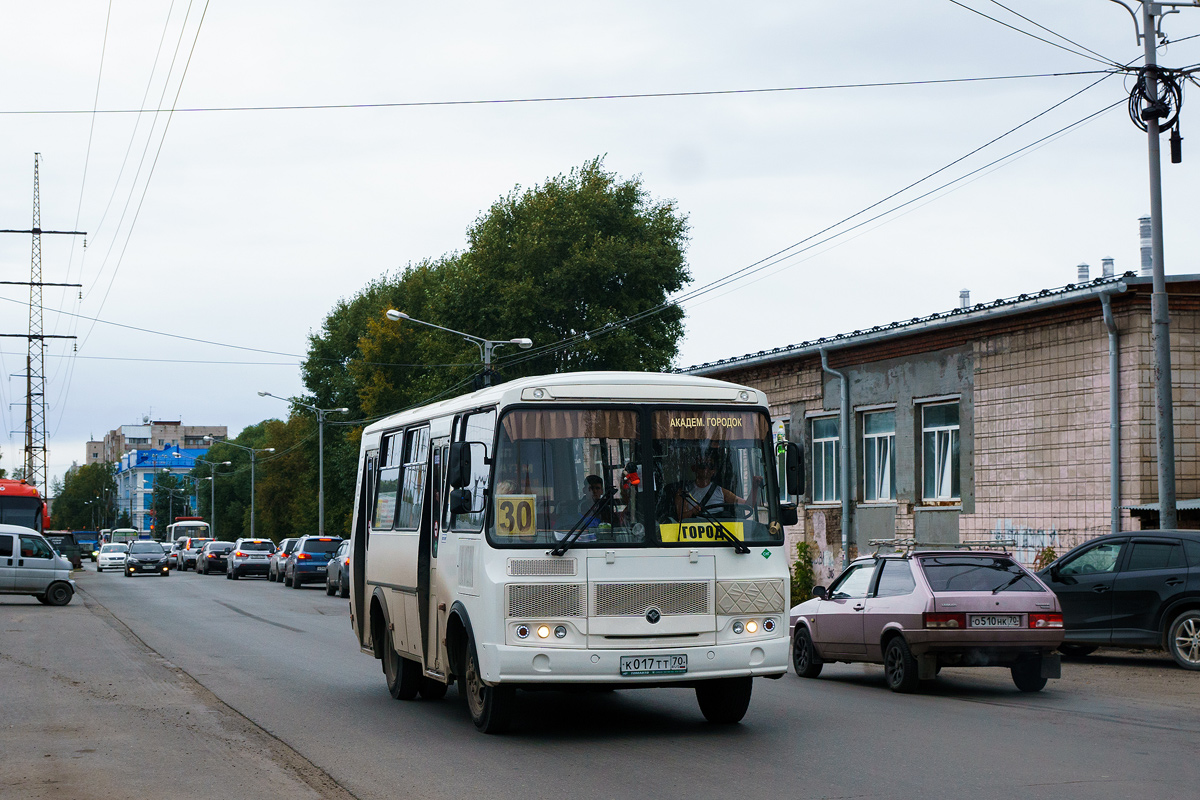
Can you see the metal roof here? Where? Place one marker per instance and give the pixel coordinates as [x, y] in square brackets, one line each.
[1022, 303]
[1180, 505]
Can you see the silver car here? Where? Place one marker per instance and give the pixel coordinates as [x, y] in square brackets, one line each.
[275, 568]
[920, 610]
[249, 557]
[112, 556]
[29, 565]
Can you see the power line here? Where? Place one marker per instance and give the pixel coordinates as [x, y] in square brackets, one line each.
[1053, 33]
[1101, 60]
[557, 99]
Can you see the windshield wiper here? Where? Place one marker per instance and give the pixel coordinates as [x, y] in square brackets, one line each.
[738, 545]
[593, 513]
[1011, 581]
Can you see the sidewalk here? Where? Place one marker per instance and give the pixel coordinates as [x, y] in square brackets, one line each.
[88, 712]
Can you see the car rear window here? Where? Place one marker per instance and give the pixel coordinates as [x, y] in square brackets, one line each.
[258, 546]
[967, 573]
[321, 545]
[194, 543]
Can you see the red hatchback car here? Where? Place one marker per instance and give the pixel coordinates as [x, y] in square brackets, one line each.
[918, 611]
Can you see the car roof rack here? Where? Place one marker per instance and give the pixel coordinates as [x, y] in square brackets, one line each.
[906, 545]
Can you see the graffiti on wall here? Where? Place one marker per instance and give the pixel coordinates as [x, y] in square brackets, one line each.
[1029, 541]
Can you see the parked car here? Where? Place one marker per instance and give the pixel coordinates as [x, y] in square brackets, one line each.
[250, 557]
[146, 556]
[918, 611]
[213, 557]
[309, 560]
[111, 556]
[190, 551]
[30, 566]
[275, 570]
[337, 575]
[1131, 590]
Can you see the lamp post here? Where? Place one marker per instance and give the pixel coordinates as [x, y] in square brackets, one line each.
[253, 454]
[212, 503]
[320, 412]
[486, 346]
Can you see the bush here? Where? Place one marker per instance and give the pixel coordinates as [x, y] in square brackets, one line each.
[1045, 557]
[802, 573]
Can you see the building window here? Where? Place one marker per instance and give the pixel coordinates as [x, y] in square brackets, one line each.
[879, 463]
[146, 502]
[939, 433]
[825, 460]
[147, 480]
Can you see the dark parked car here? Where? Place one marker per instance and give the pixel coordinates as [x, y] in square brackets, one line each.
[67, 546]
[922, 610]
[213, 557]
[337, 576]
[309, 561]
[1136, 589]
[146, 556]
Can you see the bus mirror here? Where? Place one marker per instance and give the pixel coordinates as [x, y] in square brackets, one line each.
[460, 466]
[794, 468]
[788, 515]
[460, 502]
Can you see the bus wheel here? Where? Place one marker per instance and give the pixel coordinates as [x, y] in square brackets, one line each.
[724, 701]
[59, 594]
[403, 676]
[491, 707]
[432, 689]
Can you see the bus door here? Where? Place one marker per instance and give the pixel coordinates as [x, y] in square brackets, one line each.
[358, 556]
[435, 597]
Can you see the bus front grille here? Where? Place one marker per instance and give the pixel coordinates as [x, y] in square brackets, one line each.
[750, 597]
[536, 600]
[542, 566]
[635, 599]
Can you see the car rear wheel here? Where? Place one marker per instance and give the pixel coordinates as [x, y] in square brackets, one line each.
[804, 657]
[1072, 650]
[328, 587]
[345, 588]
[1027, 675]
[1183, 640]
[491, 707]
[724, 701]
[233, 574]
[59, 594]
[899, 666]
[271, 575]
[403, 675]
[296, 582]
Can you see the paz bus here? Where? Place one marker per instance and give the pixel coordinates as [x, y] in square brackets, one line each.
[610, 529]
[22, 504]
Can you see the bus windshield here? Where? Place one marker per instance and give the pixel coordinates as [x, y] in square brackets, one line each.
[581, 475]
[21, 511]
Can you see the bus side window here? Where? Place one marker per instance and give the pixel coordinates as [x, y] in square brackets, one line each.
[478, 428]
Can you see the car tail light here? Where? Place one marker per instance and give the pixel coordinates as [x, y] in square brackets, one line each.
[940, 620]
[302, 556]
[212, 555]
[1045, 620]
[239, 554]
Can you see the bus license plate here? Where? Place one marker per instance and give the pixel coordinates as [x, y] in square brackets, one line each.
[995, 620]
[653, 665]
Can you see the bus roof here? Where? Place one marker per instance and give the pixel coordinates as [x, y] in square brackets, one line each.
[586, 387]
[18, 488]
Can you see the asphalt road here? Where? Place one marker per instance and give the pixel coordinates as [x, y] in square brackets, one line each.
[1116, 726]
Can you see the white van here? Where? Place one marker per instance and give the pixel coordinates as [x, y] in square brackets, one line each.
[29, 565]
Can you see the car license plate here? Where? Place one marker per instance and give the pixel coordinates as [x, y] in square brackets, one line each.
[320, 569]
[994, 620]
[654, 665]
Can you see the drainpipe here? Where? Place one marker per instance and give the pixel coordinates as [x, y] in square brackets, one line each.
[844, 458]
[1114, 408]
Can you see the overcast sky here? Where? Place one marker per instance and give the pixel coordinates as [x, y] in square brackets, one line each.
[243, 227]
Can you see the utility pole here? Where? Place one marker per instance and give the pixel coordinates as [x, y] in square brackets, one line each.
[1152, 108]
[35, 370]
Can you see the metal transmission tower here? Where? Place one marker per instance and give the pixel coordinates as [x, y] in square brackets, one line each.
[35, 372]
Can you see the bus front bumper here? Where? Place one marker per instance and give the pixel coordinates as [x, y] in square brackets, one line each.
[534, 665]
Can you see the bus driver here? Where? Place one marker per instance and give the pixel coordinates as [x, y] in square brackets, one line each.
[706, 497]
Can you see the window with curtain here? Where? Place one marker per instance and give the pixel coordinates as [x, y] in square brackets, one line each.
[825, 460]
[939, 433]
[879, 463]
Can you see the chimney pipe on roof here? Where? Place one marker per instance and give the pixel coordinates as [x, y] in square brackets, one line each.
[1147, 253]
[964, 298]
[1106, 267]
[1084, 270]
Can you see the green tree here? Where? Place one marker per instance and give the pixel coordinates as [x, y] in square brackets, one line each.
[86, 498]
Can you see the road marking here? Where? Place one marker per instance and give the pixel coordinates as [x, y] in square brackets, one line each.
[260, 619]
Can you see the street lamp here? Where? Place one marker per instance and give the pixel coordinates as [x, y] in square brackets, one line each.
[321, 412]
[253, 455]
[486, 346]
[212, 504]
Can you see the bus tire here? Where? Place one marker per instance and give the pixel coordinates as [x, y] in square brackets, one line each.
[491, 707]
[59, 594]
[431, 689]
[724, 701]
[403, 676]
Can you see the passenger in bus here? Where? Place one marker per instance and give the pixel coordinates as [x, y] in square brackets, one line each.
[705, 497]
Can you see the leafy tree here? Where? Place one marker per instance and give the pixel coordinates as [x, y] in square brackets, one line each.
[85, 498]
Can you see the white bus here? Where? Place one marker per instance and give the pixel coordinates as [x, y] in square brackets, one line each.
[611, 529]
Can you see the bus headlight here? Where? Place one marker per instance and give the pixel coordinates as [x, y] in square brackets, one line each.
[543, 631]
[768, 625]
[560, 632]
[522, 631]
[751, 627]
[738, 627]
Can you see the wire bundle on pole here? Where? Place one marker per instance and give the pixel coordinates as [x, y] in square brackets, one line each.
[1164, 103]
